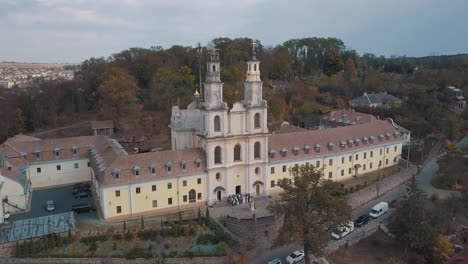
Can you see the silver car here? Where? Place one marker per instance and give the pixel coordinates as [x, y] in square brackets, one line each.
[50, 206]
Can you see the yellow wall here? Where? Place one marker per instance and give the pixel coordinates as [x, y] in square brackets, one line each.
[338, 165]
[132, 202]
[50, 176]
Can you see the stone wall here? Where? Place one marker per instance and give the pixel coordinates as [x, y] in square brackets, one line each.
[259, 232]
[371, 192]
[198, 260]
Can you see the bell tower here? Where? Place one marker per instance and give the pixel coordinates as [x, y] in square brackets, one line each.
[253, 83]
[213, 87]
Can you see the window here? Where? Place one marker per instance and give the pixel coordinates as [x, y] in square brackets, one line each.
[218, 176]
[217, 124]
[342, 160]
[137, 172]
[153, 188]
[370, 165]
[169, 167]
[169, 185]
[198, 162]
[57, 153]
[237, 153]
[317, 164]
[342, 172]
[184, 183]
[117, 193]
[76, 165]
[37, 154]
[257, 120]
[272, 169]
[350, 158]
[284, 168]
[386, 151]
[257, 171]
[217, 155]
[365, 155]
[257, 150]
[153, 170]
[350, 171]
[330, 162]
[283, 153]
[396, 148]
[59, 167]
[199, 181]
[386, 161]
[191, 195]
[169, 201]
[89, 164]
[380, 163]
[119, 209]
[75, 151]
[155, 203]
[381, 152]
[394, 159]
[198, 196]
[357, 156]
[364, 167]
[185, 198]
[184, 165]
[117, 174]
[138, 190]
[372, 154]
[38, 170]
[272, 184]
[330, 175]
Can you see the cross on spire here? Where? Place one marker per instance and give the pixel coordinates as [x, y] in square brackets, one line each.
[254, 47]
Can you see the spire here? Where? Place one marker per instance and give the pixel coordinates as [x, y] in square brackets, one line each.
[253, 65]
[254, 49]
[213, 72]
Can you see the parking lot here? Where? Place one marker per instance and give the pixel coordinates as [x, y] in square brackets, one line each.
[63, 201]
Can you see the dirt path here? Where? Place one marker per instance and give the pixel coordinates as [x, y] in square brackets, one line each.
[52, 130]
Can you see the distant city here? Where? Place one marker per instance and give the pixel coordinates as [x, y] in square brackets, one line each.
[21, 74]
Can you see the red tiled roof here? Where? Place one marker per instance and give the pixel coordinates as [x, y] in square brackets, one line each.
[127, 163]
[336, 135]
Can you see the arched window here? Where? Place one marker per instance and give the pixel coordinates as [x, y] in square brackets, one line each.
[217, 155]
[257, 120]
[214, 68]
[257, 150]
[217, 123]
[237, 153]
[255, 67]
[192, 196]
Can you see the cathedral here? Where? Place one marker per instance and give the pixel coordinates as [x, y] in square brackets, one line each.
[216, 151]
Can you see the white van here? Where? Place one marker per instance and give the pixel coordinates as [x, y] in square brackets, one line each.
[378, 210]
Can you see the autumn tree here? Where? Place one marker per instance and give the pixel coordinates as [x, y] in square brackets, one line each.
[119, 93]
[333, 62]
[310, 204]
[442, 250]
[350, 70]
[411, 221]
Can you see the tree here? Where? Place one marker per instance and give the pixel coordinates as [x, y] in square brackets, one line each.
[119, 92]
[410, 223]
[142, 223]
[310, 204]
[199, 216]
[442, 249]
[207, 215]
[452, 127]
[350, 70]
[333, 62]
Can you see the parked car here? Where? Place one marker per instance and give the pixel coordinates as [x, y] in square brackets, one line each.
[50, 206]
[275, 261]
[82, 184]
[81, 189]
[362, 220]
[82, 195]
[378, 210]
[82, 208]
[295, 257]
[343, 230]
[394, 203]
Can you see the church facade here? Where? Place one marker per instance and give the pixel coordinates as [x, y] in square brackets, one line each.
[216, 151]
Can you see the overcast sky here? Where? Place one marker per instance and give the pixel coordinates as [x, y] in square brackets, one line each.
[74, 30]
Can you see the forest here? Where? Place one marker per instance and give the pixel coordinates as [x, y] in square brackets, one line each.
[301, 77]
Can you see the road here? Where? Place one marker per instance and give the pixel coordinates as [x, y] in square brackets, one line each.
[428, 172]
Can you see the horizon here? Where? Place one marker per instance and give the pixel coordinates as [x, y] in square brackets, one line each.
[56, 31]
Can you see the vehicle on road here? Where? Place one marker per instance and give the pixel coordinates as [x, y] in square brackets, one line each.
[81, 189]
[275, 261]
[295, 257]
[81, 185]
[378, 210]
[50, 205]
[342, 230]
[82, 194]
[362, 220]
[82, 208]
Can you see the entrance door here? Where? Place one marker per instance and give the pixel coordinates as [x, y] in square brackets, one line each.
[238, 189]
[218, 195]
[257, 189]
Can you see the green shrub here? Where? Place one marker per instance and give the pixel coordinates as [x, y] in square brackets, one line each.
[223, 246]
[92, 247]
[435, 197]
[128, 236]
